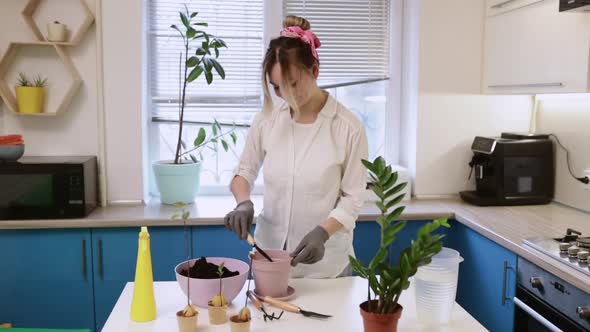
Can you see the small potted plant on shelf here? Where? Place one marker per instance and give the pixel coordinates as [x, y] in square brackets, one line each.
[30, 95]
[382, 312]
[178, 179]
[218, 304]
[56, 31]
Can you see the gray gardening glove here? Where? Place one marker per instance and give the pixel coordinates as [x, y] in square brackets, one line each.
[240, 219]
[311, 248]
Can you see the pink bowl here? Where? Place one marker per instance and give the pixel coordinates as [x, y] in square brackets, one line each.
[203, 290]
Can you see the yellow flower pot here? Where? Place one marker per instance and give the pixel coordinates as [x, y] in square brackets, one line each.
[30, 99]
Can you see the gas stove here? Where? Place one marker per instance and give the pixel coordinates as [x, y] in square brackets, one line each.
[572, 249]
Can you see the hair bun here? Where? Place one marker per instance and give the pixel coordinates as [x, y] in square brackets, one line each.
[296, 21]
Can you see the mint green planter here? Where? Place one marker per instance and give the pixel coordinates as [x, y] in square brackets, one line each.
[177, 183]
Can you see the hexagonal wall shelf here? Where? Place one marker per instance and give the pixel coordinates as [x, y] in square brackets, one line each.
[8, 94]
[32, 6]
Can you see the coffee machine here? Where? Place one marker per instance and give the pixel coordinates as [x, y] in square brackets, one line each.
[513, 169]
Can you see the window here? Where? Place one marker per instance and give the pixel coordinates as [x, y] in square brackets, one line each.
[354, 56]
[354, 60]
[233, 100]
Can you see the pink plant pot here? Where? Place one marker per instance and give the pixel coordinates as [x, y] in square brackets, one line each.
[203, 290]
[271, 279]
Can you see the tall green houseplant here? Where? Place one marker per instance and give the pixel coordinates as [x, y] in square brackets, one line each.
[393, 278]
[202, 62]
[178, 180]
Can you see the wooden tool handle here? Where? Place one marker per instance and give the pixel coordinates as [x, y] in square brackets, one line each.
[255, 301]
[251, 239]
[282, 305]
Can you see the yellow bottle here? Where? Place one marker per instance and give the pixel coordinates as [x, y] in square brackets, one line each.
[143, 307]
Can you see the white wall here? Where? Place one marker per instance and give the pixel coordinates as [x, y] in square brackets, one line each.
[568, 117]
[76, 132]
[451, 111]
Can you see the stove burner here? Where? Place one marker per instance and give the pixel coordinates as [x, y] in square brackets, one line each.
[570, 236]
[583, 242]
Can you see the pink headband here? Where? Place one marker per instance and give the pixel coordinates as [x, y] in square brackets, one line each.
[305, 35]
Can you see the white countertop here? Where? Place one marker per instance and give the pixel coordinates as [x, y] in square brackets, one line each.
[337, 297]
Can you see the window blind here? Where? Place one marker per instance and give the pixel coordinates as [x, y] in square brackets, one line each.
[354, 36]
[240, 24]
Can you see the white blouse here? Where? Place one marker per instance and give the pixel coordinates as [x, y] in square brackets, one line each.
[326, 178]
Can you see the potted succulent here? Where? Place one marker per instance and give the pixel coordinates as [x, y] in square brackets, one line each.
[178, 179]
[56, 31]
[382, 312]
[30, 95]
[218, 304]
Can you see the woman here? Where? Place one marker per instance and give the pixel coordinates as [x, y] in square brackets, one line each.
[311, 147]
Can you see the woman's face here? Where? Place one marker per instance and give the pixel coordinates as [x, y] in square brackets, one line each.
[302, 83]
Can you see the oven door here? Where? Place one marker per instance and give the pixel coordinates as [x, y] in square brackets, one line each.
[534, 315]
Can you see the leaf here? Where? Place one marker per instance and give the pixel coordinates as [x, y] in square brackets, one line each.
[391, 181]
[173, 26]
[176, 215]
[379, 165]
[194, 159]
[207, 63]
[201, 51]
[369, 165]
[405, 265]
[396, 189]
[218, 68]
[395, 214]
[379, 258]
[374, 283]
[185, 215]
[221, 43]
[390, 233]
[225, 146]
[184, 20]
[357, 267]
[190, 33]
[209, 77]
[194, 14]
[216, 53]
[195, 73]
[204, 24]
[234, 137]
[395, 201]
[200, 137]
[192, 61]
[214, 129]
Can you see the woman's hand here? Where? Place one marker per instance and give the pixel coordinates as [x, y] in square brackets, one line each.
[311, 248]
[240, 219]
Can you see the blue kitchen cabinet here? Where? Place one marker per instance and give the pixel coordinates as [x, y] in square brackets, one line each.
[46, 278]
[366, 240]
[115, 257]
[487, 278]
[218, 241]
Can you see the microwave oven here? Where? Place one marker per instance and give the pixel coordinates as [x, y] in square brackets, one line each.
[48, 188]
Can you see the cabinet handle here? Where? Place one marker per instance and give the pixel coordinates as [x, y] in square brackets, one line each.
[83, 254]
[99, 249]
[502, 4]
[506, 268]
[529, 85]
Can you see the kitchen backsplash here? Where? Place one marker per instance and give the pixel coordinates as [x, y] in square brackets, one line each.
[568, 117]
